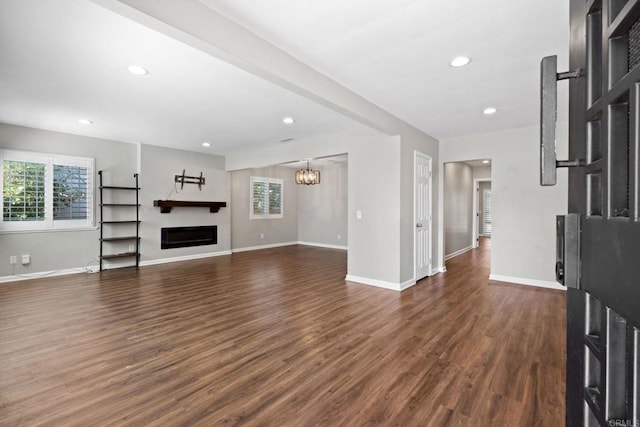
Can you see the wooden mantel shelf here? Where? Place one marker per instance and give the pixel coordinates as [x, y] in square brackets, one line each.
[166, 205]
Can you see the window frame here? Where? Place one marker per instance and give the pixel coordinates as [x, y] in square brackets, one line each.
[49, 223]
[486, 202]
[266, 214]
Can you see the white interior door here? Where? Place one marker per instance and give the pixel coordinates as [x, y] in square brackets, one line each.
[422, 193]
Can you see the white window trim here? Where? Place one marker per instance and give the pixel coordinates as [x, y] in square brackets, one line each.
[268, 181]
[486, 195]
[49, 224]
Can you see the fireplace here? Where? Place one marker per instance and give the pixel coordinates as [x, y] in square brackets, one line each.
[181, 237]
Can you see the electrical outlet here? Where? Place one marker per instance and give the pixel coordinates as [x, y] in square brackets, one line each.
[262, 235]
[132, 248]
[26, 259]
[339, 237]
[13, 260]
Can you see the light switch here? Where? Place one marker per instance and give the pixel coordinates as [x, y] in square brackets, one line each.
[358, 214]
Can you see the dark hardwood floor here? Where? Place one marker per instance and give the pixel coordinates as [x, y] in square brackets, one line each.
[277, 337]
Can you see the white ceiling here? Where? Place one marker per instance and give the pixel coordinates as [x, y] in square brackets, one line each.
[478, 163]
[319, 162]
[62, 60]
[396, 53]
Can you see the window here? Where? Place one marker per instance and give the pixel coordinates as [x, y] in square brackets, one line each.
[486, 212]
[45, 191]
[266, 198]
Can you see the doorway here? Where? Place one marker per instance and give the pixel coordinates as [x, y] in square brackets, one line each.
[482, 223]
[463, 221]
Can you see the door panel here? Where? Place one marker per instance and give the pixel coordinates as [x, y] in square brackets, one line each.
[611, 255]
[422, 172]
[604, 312]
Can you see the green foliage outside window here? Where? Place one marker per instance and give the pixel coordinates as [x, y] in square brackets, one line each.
[23, 191]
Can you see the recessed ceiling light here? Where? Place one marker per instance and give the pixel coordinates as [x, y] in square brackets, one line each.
[137, 70]
[489, 111]
[206, 144]
[486, 161]
[460, 61]
[85, 122]
[288, 120]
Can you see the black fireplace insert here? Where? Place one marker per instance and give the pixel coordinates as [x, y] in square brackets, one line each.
[181, 237]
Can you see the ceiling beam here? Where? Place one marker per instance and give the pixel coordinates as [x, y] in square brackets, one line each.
[195, 24]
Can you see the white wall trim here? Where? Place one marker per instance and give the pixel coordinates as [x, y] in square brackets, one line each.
[277, 245]
[182, 258]
[527, 282]
[374, 282]
[28, 276]
[437, 270]
[95, 268]
[323, 245]
[256, 248]
[409, 283]
[456, 253]
[381, 283]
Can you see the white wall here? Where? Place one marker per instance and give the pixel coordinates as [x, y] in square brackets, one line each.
[380, 185]
[62, 250]
[158, 167]
[323, 208]
[68, 250]
[313, 214]
[458, 207]
[523, 239]
[412, 141]
[373, 183]
[204, 29]
[482, 172]
[245, 232]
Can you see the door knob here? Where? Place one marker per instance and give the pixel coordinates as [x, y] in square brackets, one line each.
[418, 225]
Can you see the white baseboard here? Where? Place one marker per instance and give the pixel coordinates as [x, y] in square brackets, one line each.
[381, 283]
[456, 253]
[409, 283]
[183, 258]
[95, 268]
[256, 248]
[437, 270]
[323, 245]
[373, 282]
[277, 245]
[28, 276]
[527, 282]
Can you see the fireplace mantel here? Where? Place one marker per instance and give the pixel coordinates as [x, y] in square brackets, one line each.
[166, 205]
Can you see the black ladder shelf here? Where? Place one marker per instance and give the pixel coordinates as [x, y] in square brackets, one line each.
[112, 240]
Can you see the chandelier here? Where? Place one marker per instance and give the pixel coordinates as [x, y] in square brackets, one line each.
[307, 176]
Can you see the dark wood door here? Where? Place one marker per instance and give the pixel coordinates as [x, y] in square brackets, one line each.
[604, 311]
